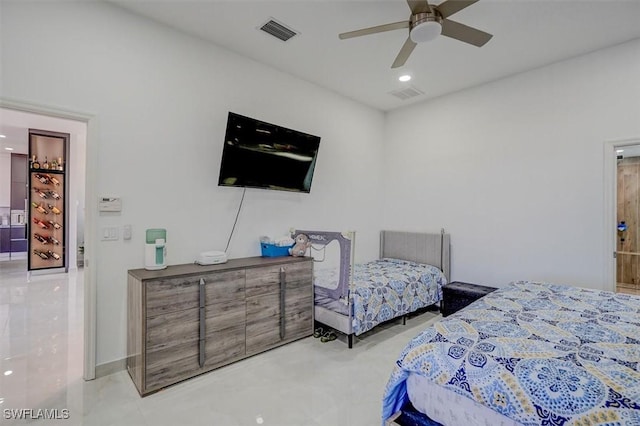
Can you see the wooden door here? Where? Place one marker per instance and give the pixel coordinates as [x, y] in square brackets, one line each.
[628, 213]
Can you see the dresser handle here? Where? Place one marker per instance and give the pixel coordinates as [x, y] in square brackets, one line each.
[283, 286]
[201, 311]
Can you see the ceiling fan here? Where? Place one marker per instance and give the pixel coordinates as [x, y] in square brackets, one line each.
[427, 22]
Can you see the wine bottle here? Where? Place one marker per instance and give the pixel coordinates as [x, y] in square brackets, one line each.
[55, 225]
[41, 193]
[56, 256]
[55, 181]
[40, 223]
[35, 164]
[45, 165]
[41, 254]
[54, 241]
[54, 164]
[42, 178]
[40, 238]
[54, 194]
[54, 209]
[39, 208]
[60, 163]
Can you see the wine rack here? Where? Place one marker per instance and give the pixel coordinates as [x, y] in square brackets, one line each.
[48, 204]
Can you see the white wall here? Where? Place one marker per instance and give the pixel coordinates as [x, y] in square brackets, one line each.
[161, 99]
[514, 169]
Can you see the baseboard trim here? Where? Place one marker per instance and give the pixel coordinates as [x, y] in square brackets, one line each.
[108, 368]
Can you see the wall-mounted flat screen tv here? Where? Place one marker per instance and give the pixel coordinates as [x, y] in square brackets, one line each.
[262, 155]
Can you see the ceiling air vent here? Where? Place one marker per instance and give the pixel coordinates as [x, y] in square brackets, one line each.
[278, 30]
[407, 93]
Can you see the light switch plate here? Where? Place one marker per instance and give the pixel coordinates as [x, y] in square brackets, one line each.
[126, 232]
[110, 234]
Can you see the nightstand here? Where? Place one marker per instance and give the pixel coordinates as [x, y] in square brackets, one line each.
[457, 295]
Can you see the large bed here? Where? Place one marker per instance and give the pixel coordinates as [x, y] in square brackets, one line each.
[408, 276]
[527, 354]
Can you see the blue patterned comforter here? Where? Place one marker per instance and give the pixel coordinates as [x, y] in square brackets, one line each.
[388, 288]
[540, 354]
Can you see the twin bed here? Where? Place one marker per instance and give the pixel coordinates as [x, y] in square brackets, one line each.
[527, 354]
[354, 298]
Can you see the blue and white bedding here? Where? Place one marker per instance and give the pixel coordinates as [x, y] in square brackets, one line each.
[387, 288]
[539, 354]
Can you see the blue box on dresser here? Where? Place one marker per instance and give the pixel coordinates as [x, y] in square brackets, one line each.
[457, 295]
[272, 250]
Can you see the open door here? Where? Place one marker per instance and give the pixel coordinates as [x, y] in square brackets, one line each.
[628, 220]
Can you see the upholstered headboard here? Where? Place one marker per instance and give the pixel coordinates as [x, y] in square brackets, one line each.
[432, 249]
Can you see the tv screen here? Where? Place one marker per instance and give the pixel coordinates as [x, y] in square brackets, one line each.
[262, 155]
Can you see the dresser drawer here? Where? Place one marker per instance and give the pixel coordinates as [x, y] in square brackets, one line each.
[267, 280]
[263, 281]
[170, 295]
[170, 365]
[220, 316]
[224, 287]
[302, 271]
[172, 329]
[225, 346]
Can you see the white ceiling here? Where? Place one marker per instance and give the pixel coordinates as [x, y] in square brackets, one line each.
[527, 34]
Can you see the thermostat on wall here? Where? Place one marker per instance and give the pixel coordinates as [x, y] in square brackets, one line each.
[110, 204]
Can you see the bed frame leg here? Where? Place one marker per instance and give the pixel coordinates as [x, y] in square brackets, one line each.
[404, 320]
[350, 339]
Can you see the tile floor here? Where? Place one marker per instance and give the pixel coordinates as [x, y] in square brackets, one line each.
[303, 383]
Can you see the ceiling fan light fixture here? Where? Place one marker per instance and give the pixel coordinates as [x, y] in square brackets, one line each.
[426, 30]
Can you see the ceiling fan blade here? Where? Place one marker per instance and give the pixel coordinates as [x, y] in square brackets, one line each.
[464, 33]
[374, 30]
[419, 6]
[404, 53]
[449, 7]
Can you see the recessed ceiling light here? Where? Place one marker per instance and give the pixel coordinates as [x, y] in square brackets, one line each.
[404, 78]
[8, 373]
[8, 148]
[2, 136]
[619, 151]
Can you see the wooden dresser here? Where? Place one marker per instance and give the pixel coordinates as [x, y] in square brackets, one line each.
[188, 319]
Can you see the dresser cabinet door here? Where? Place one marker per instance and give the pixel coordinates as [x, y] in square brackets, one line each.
[263, 322]
[225, 315]
[272, 316]
[298, 317]
[173, 331]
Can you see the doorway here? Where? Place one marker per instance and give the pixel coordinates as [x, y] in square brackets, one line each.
[83, 189]
[628, 219]
[15, 128]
